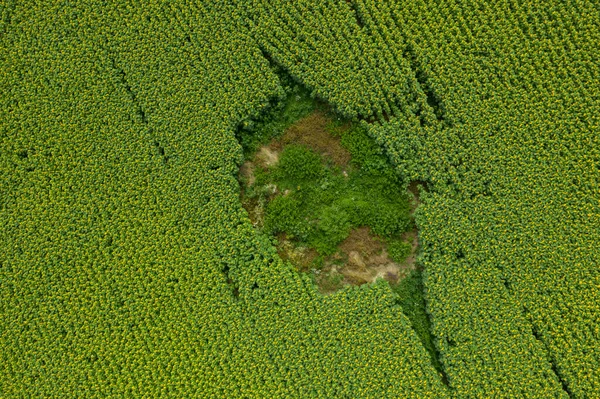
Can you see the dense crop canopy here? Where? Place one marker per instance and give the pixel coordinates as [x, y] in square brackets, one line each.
[128, 267]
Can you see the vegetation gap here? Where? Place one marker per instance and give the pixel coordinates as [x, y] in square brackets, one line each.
[432, 99]
[322, 152]
[123, 80]
[553, 366]
[412, 300]
[235, 290]
[295, 120]
[357, 15]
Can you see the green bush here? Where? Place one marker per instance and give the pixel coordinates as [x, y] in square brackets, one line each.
[359, 210]
[298, 164]
[399, 250]
[333, 227]
[388, 219]
[361, 146]
[284, 214]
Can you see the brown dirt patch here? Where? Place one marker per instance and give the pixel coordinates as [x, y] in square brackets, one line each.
[247, 173]
[255, 210]
[363, 241]
[313, 132]
[267, 156]
[303, 258]
[362, 258]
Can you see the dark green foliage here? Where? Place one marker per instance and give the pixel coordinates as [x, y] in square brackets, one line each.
[284, 215]
[319, 206]
[399, 250]
[411, 298]
[390, 219]
[298, 165]
[333, 226]
[365, 152]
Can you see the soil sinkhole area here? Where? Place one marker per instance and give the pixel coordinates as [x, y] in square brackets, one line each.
[329, 199]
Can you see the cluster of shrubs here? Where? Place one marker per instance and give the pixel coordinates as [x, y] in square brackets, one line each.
[319, 205]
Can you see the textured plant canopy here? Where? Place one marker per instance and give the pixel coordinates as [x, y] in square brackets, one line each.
[128, 267]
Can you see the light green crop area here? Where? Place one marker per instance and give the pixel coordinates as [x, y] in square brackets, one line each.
[130, 269]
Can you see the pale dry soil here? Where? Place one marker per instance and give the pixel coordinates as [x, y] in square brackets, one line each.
[362, 257]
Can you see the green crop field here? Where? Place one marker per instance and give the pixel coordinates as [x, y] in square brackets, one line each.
[455, 142]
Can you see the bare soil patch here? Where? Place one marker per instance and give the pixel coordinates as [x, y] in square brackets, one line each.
[247, 173]
[255, 211]
[267, 156]
[362, 258]
[303, 258]
[312, 131]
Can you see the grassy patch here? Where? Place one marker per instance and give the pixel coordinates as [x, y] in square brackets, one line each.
[323, 187]
[321, 204]
[316, 203]
[297, 165]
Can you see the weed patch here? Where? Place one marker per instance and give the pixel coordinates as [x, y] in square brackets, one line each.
[335, 203]
[323, 187]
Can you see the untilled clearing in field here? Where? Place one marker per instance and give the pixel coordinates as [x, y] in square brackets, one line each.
[362, 257]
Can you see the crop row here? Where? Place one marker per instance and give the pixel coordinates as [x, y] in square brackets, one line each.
[508, 231]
